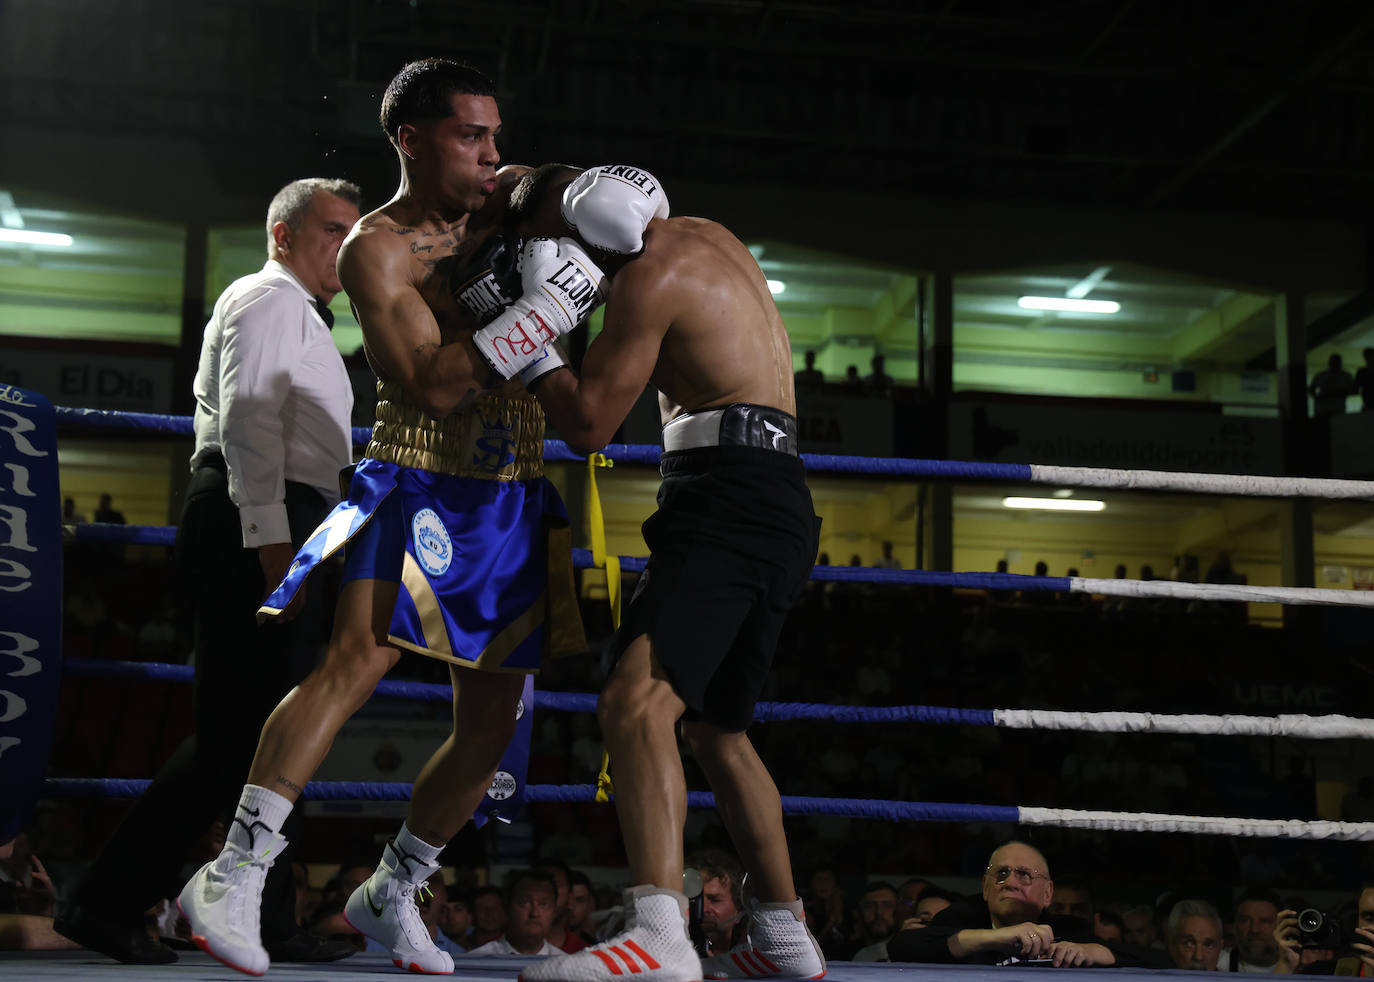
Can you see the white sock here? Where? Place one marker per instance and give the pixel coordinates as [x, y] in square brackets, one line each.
[259, 815]
[409, 844]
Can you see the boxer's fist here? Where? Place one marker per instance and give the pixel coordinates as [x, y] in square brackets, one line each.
[611, 206]
[562, 287]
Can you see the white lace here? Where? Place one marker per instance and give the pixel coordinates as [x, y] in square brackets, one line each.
[245, 879]
[408, 913]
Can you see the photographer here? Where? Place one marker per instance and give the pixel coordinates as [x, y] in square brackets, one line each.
[1255, 950]
[1310, 945]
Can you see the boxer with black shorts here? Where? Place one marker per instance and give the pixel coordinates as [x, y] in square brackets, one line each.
[732, 543]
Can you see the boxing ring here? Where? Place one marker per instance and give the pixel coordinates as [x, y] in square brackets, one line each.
[194, 965]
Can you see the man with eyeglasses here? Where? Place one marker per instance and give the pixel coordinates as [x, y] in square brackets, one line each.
[1192, 935]
[1011, 924]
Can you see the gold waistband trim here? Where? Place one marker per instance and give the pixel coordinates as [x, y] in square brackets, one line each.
[496, 438]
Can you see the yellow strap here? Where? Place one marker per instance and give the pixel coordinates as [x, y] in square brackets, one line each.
[611, 564]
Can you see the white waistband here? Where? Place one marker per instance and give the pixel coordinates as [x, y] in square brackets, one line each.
[692, 430]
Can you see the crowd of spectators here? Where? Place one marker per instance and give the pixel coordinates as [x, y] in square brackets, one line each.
[877, 384]
[863, 880]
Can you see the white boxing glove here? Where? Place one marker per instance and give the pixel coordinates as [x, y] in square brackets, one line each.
[611, 206]
[548, 360]
[562, 287]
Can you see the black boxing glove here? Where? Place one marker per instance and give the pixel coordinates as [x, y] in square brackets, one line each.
[489, 281]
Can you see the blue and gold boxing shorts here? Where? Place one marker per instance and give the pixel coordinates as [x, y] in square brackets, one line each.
[484, 567]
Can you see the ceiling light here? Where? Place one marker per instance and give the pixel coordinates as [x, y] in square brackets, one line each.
[9, 214]
[1063, 492]
[1088, 283]
[26, 236]
[1068, 303]
[1055, 504]
[776, 286]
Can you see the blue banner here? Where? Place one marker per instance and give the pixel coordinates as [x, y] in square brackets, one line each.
[30, 600]
[507, 792]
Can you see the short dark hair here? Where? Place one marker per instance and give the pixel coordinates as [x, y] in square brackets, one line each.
[577, 878]
[938, 892]
[488, 889]
[1257, 893]
[424, 89]
[530, 191]
[716, 864]
[881, 885]
[1113, 918]
[519, 876]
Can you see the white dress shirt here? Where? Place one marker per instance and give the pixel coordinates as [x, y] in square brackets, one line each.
[503, 947]
[273, 396]
[1224, 964]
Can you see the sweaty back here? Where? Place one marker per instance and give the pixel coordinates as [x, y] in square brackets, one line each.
[726, 341]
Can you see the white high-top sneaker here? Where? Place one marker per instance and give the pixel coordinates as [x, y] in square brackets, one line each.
[778, 945]
[223, 901]
[384, 909]
[652, 948]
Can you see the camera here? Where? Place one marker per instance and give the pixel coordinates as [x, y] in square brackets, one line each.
[1318, 930]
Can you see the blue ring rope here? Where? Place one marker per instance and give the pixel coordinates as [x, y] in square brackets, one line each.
[628, 453]
[165, 535]
[895, 811]
[568, 702]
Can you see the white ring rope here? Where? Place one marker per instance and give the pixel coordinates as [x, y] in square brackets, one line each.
[1272, 828]
[1237, 484]
[1222, 591]
[1293, 725]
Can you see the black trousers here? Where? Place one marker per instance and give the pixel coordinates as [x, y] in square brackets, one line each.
[242, 671]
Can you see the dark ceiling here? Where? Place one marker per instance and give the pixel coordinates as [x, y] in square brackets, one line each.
[1261, 108]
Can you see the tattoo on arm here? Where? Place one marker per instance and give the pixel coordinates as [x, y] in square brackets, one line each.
[427, 344]
[290, 785]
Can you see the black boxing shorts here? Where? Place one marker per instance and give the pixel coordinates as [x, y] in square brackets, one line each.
[731, 546]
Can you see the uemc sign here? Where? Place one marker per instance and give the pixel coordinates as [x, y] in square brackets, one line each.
[30, 599]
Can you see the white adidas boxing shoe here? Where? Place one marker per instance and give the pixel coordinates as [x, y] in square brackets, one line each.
[778, 944]
[223, 902]
[652, 948]
[384, 909]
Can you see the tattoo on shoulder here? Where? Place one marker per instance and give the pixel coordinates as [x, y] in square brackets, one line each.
[427, 344]
[288, 784]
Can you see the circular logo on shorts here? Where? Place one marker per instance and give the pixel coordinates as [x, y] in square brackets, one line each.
[519, 710]
[433, 547]
[503, 785]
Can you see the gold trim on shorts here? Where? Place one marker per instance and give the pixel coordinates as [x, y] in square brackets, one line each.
[495, 438]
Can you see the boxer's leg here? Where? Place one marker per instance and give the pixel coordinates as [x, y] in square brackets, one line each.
[638, 710]
[453, 781]
[223, 900]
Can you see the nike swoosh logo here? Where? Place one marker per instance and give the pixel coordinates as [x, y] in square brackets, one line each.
[367, 895]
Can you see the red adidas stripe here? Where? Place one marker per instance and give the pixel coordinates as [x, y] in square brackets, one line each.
[629, 962]
[610, 962]
[644, 956]
[771, 967]
[748, 969]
